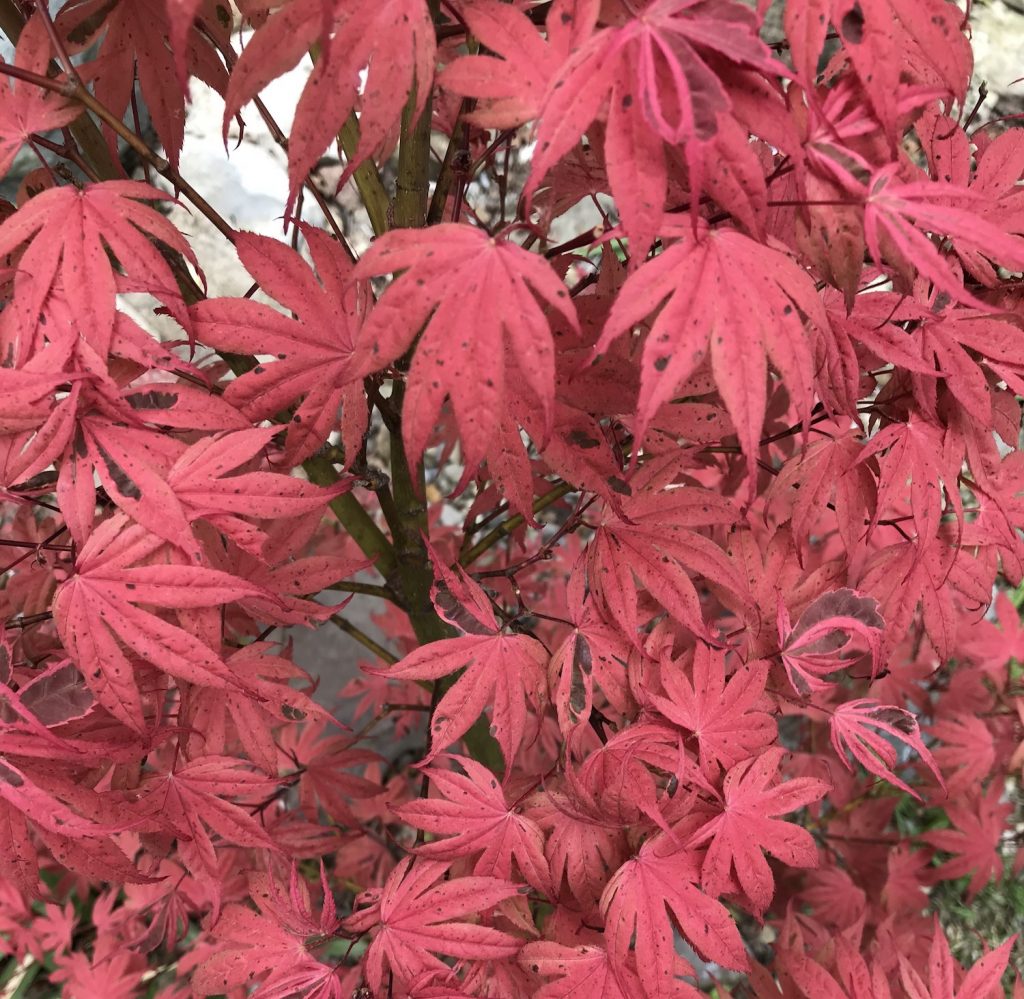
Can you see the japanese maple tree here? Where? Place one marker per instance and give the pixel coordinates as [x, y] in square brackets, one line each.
[671, 422]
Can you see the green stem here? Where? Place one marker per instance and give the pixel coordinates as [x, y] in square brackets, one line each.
[415, 572]
[446, 177]
[356, 521]
[364, 589]
[506, 527]
[363, 639]
[366, 177]
[412, 182]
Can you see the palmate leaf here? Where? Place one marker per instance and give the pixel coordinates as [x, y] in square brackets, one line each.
[417, 917]
[722, 716]
[503, 672]
[583, 971]
[821, 641]
[99, 619]
[477, 820]
[982, 980]
[480, 299]
[316, 354]
[392, 42]
[653, 535]
[851, 726]
[195, 799]
[660, 879]
[249, 944]
[973, 840]
[69, 230]
[25, 108]
[749, 823]
[132, 37]
[902, 213]
[660, 77]
[509, 90]
[704, 310]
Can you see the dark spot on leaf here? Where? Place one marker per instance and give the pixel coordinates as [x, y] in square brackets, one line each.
[583, 440]
[661, 364]
[852, 25]
[125, 486]
[152, 400]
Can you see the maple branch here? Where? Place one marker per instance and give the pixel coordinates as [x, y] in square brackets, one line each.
[68, 151]
[29, 620]
[36, 545]
[365, 589]
[76, 92]
[455, 153]
[363, 639]
[83, 128]
[545, 552]
[506, 527]
[158, 163]
[63, 59]
[412, 181]
[356, 521]
[366, 176]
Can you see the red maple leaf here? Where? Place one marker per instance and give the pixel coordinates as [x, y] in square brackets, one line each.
[660, 77]
[977, 824]
[316, 353]
[194, 799]
[652, 535]
[982, 980]
[967, 753]
[851, 725]
[324, 762]
[98, 616]
[417, 917]
[510, 89]
[200, 482]
[476, 819]
[722, 716]
[503, 671]
[650, 894]
[69, 232]
[901, 213]
[582, 843]
[593, 653]
[893, 43]
[392, 42]
[749, 823]
[132, 37]
[76, 841]
[478, 297]
[250, 945]
[26, 108]
[742, 325]
[583, 970]
[820, 642]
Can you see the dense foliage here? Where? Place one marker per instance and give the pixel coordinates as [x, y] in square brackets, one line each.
[684, 529]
